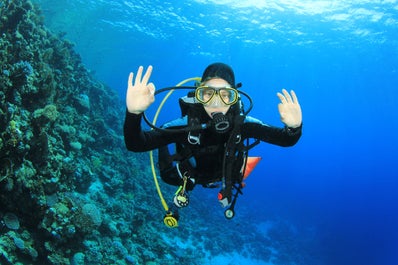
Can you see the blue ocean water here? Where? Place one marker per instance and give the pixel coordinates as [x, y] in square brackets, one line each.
[338, 186]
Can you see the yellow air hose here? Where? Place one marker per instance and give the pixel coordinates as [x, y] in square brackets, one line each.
[162, 200]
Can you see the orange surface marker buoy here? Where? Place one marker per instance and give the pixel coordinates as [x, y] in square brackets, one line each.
[250, 165]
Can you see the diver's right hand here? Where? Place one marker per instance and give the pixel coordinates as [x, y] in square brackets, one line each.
[141, 94]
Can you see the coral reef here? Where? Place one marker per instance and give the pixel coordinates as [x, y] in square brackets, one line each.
[69, 191]
[56, 145]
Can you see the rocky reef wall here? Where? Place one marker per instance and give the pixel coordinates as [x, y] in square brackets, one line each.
[68, 187]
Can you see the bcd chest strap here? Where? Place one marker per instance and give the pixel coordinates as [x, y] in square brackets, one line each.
[233, 154]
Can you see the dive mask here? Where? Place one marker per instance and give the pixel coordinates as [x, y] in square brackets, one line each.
[207, 94]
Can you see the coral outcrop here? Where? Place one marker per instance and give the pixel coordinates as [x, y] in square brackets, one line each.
[61, 159]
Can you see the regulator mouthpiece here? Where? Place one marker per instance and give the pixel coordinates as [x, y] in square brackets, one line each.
[220, 122]
[171, 219]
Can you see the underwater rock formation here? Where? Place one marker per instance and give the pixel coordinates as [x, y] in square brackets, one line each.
[62, 161]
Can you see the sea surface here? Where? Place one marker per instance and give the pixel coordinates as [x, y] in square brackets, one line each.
[336, 191]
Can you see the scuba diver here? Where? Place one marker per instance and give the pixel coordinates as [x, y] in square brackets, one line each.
[211, 139]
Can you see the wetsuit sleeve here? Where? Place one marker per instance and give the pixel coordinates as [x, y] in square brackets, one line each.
[274, 135]
[137, 140]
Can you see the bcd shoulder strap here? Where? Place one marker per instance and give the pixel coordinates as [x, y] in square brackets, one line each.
[231, 154]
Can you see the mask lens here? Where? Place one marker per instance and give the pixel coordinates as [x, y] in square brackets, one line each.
[204, 94]
[228, 95]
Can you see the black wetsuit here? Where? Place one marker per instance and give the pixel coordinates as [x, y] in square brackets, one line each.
[208, 162]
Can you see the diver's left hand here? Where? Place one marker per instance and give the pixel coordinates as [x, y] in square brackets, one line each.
[289, 109]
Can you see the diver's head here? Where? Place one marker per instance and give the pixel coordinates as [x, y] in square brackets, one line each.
[217, 90]
[220, 70]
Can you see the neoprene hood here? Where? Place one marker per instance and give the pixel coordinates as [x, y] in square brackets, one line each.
[219, 70]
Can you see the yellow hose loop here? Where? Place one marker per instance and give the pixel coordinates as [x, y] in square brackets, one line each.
[162, 200]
